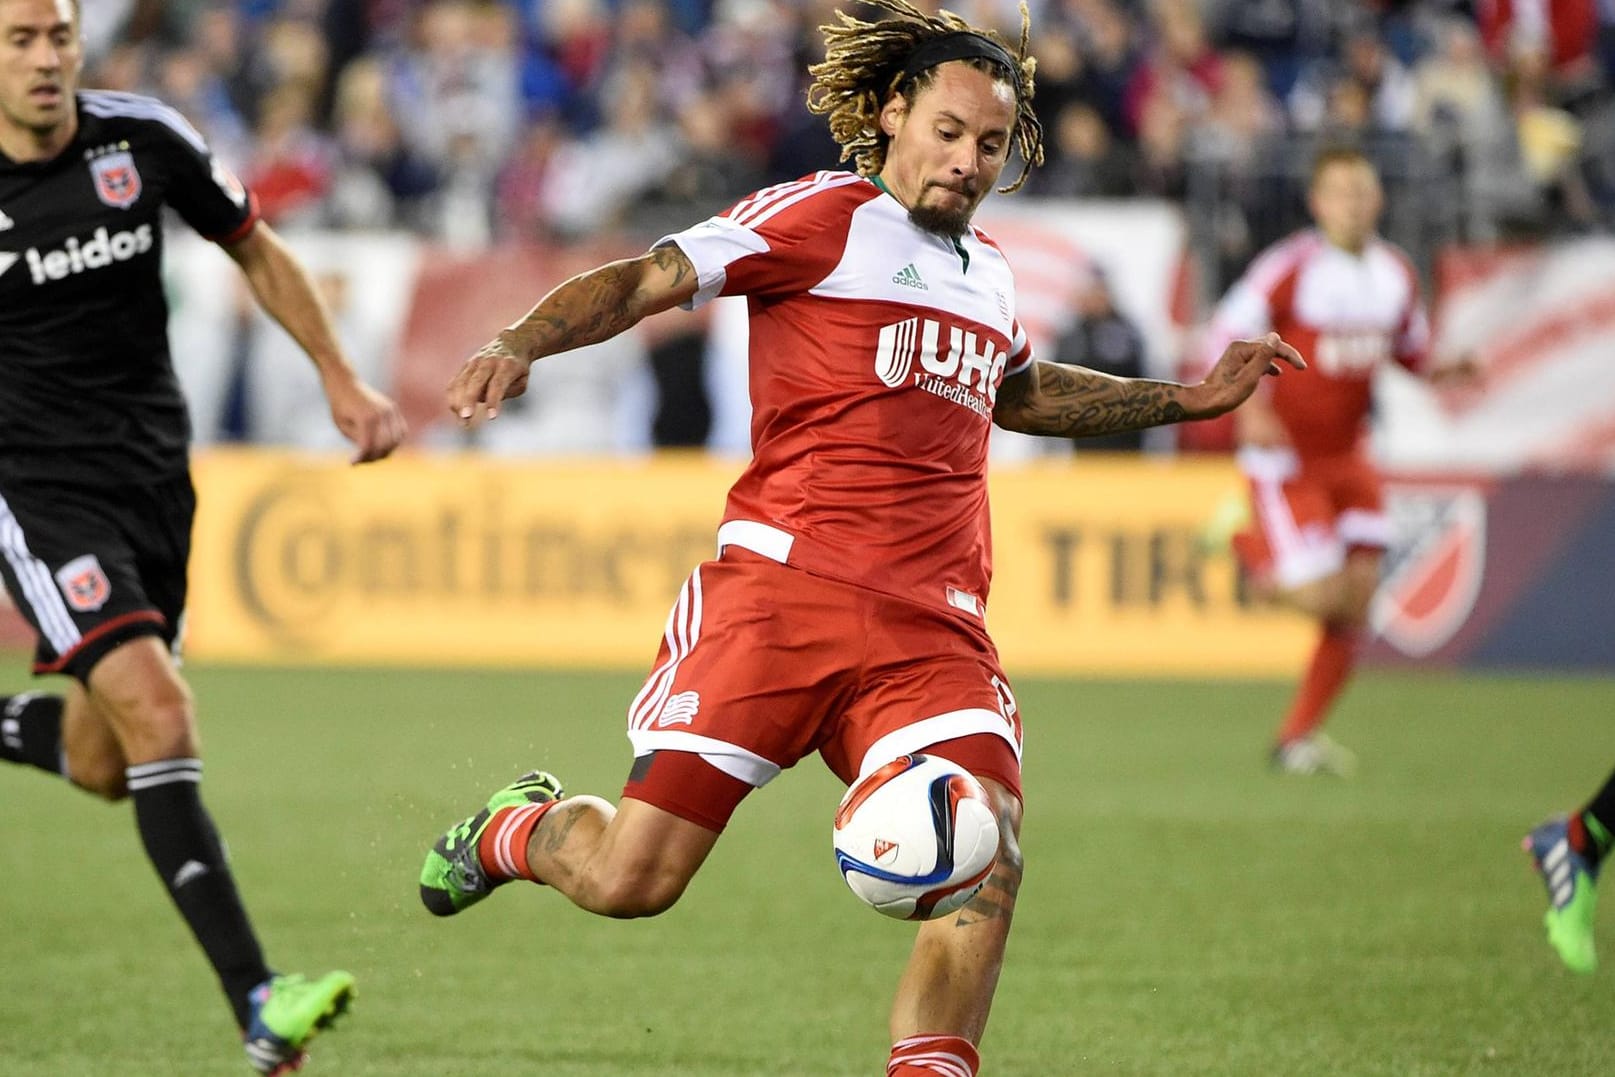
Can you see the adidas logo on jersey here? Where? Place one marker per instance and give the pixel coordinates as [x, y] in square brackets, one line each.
[909, 277]
[101, 249]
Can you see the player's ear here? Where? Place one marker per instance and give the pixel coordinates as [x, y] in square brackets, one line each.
[892, 113]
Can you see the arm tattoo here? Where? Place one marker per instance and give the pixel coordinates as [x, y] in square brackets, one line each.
[1074, 402]
[670, 259]
[599, 304]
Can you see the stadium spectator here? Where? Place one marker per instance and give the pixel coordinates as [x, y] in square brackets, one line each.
[1386, 86]
[1102, 338]
[844, 611]
[95, 512]
[1350, 301]
[1567, 850]
[289, 169]
[378, 182]
[1085, 161]
[1181, 66]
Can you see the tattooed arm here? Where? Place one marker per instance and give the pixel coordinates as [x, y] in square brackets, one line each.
[589, 308]
[1074, 402]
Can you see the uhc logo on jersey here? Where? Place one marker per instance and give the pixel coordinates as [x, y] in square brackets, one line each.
[101, 249]
[968, 374]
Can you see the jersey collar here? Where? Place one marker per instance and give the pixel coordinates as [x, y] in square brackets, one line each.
[958, 248]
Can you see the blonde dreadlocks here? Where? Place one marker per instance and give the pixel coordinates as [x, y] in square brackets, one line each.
[863, 68]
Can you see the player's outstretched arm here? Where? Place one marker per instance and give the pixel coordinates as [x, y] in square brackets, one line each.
[283, 288]
[1073, 402]
[587, 309]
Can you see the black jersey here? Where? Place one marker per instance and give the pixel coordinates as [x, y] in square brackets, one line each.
[87, 386]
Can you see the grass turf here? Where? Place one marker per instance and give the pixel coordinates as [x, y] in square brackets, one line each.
[1185, 912]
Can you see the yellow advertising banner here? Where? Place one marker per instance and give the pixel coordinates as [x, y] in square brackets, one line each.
[470, 560]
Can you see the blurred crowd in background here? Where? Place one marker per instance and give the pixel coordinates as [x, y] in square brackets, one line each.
[478, 124]
[470, 121]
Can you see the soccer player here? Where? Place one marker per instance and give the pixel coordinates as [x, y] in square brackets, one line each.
[1349, 301]
[1568, 850]
[95, 492]
[845, 611]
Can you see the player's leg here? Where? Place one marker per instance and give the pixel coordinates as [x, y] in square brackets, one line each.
[946, 991]
[716, 714]
[1316, 561]
[66, 735]
[933, 684]
[623, 860]
[1339, 604]
[1568, 852]
[138, 690]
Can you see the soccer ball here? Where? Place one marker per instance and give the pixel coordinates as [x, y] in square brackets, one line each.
[917, 838]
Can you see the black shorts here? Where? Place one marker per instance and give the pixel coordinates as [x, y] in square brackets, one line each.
[93, 567]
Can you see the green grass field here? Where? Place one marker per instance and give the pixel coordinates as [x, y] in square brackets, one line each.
[1185, 912]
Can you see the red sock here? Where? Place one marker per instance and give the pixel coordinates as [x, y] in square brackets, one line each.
[1332, 662]
[933, 1056]
[502, 849]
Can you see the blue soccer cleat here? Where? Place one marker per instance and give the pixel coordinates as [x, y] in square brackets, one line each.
[1572, 895]
[286, 1013]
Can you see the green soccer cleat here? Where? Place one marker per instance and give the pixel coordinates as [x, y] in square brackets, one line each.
[286, 1013]
[1572, 895]
[452, 879]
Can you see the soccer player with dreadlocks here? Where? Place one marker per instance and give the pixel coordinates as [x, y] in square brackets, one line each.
[845, 611]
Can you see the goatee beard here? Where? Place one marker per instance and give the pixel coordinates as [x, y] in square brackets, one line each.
[949, 224]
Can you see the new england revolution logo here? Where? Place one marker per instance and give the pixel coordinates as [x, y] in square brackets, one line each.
[117, 181]
[1434, 568]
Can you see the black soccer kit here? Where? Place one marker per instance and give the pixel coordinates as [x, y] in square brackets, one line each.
[95, 493]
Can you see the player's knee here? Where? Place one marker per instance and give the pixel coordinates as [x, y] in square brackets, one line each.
[157, 725]
[630, 895]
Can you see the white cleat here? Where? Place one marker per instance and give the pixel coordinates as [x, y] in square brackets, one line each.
[1314, 754]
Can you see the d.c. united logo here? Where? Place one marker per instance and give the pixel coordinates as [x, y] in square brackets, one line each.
[117, 181]
[1434, 568]
[84, 583]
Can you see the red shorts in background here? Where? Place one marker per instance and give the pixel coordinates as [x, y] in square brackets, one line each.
[1308, 513]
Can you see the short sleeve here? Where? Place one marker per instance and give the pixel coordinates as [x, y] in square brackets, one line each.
[201, 188]
[778, 241]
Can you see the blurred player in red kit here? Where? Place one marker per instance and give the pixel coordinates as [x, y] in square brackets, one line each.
[1349, 301]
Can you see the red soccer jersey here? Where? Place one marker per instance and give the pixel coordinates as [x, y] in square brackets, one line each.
[1346, 313]
[876, 353]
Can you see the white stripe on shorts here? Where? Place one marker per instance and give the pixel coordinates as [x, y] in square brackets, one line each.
[38, 586]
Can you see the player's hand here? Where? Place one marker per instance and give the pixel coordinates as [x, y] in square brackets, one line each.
[367, 418]
[495, 374]
[1239, 371]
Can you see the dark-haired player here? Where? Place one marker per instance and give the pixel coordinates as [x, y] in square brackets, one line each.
[95, 492]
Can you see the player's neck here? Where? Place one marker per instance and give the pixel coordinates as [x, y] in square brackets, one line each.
[25, 145]
[1352, 245]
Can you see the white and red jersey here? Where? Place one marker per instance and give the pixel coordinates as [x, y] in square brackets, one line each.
[877, 349]
[1346, 313]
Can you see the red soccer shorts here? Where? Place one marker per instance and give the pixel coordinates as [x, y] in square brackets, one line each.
[1308, 513]
[763, 664]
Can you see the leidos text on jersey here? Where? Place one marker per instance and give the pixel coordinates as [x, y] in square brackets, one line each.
[102, 249]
